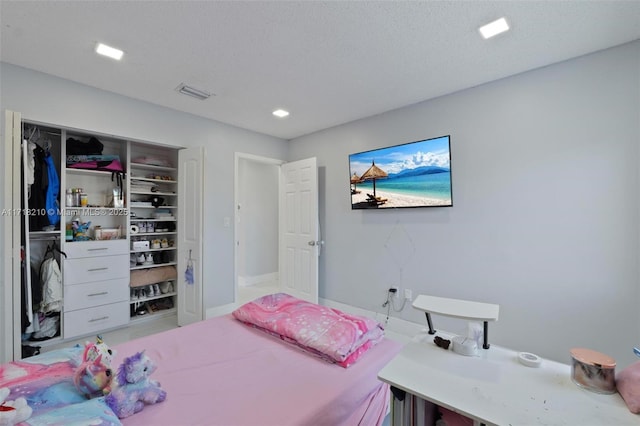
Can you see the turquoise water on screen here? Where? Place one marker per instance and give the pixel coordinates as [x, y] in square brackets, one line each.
[436, 185]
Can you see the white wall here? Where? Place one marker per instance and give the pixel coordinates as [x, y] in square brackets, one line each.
[45, 98]
[545, 220]
[258, 190]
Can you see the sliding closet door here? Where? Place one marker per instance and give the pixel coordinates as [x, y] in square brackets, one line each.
[10, 347]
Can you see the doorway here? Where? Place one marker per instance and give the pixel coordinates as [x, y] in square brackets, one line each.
[256, 227]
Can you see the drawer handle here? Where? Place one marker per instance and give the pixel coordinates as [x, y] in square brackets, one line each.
[97, 269]
[99, 319]
[102, 293]
[99, 248]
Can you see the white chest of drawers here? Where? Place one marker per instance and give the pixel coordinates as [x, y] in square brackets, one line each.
[96, 286]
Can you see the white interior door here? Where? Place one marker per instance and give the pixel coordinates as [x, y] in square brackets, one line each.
[299, 231]
[190, 193]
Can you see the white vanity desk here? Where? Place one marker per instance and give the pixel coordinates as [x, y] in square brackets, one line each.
[494, 388]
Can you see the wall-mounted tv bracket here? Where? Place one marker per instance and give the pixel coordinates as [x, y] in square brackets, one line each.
[456, 308]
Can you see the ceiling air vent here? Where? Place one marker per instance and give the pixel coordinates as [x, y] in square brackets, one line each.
[191, 91]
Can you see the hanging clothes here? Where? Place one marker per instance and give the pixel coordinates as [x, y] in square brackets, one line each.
[48, 327]
[53, 191]
[31, 165]
[38, 218]
[51, 279]
[36, 289]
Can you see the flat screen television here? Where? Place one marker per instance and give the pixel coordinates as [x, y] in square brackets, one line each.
[415, 174]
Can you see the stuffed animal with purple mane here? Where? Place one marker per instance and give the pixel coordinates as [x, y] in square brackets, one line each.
[133, 388]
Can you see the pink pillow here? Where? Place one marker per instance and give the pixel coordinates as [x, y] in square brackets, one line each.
[628, 384]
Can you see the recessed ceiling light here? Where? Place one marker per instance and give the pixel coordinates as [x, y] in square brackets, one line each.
[280, 113]
[192, 91]
[494, 28]
[109, 51]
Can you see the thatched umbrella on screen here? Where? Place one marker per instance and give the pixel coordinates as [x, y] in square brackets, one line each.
[374, 172]
[354, 181]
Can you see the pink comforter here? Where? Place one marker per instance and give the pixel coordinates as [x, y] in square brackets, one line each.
[330, 333]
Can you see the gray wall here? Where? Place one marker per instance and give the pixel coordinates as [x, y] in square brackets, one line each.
[545, 220]
[45, 98]
[258, 190]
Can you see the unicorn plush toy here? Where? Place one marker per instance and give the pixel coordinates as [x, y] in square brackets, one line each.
[93, 378]
[133, 388]
[94, 374]
[93, 350]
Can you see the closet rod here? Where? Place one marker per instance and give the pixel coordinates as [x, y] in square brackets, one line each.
[45, 131]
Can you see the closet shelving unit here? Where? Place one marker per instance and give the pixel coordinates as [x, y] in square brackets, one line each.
[96, 273]
[149, 180]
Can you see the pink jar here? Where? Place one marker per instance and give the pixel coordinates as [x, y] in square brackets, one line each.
[593, 370]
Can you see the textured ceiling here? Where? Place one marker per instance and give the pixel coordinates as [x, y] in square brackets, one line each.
[326, 62]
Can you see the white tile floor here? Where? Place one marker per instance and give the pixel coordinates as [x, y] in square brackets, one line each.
[121, 335]
[249, 293]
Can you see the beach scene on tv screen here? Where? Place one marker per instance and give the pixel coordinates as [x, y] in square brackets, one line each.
[416, 174]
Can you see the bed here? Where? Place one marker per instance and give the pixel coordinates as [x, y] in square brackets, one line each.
[222, 371]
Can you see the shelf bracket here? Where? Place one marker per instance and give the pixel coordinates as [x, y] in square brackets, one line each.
[456, 308]
[485, 333]
[429, 323]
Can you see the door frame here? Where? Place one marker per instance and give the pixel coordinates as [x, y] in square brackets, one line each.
[236, 200]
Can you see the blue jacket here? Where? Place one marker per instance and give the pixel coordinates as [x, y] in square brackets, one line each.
[53, 190]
